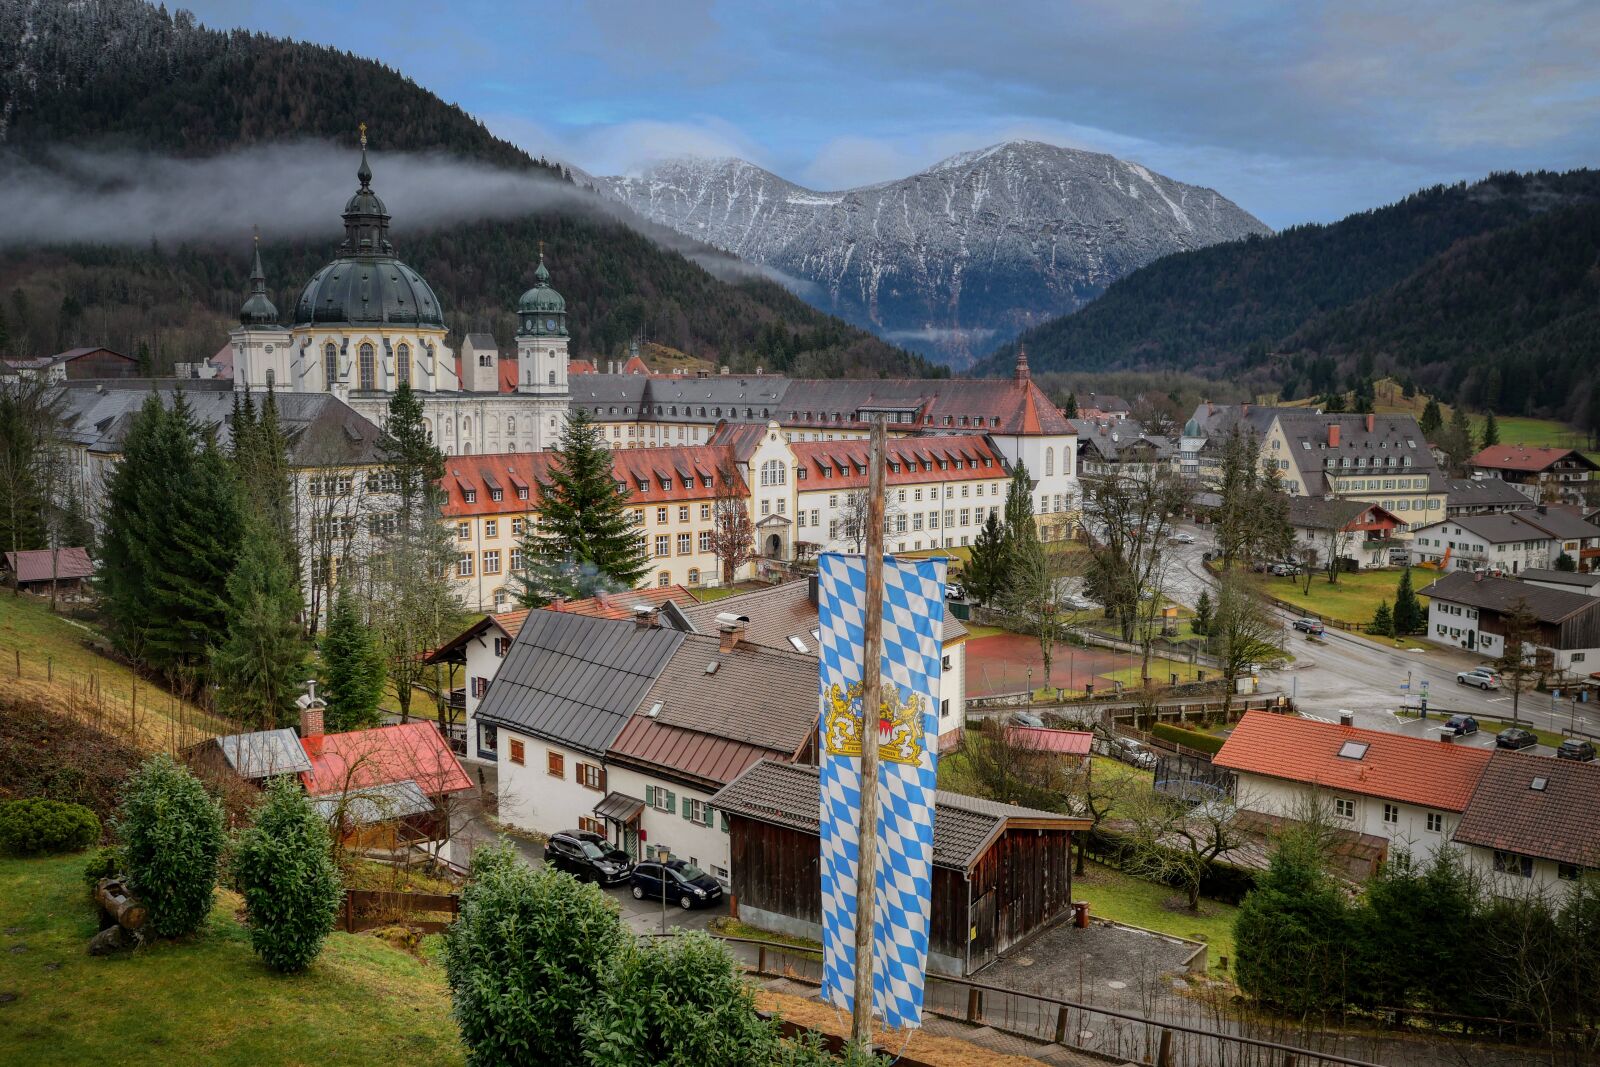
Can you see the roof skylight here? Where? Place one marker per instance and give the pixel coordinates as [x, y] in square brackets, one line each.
[1353, 750]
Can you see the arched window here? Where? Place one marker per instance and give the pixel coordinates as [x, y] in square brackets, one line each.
[773, 472]
[271, 377]
[330, 364]
[366, 373]
[466, 448]
[1049, 462]
[427, 428]
[511, 424]
[466, 426]
[664, 579]
[402, 365]
[694, 575]
[552, 377]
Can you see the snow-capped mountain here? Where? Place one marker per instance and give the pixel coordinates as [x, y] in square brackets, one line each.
[957, 258]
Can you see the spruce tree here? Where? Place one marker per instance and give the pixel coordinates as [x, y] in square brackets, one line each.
[352, 668]
[1202, 613]
[1408, 614]
[1491, 430]
[986, 568]
[1382, 624]
[262, 664]
[1293, 931]
[1019, 506]
[585, 535]
[412, 458]
[1432, 420]
[173, 523]
[1070, 408]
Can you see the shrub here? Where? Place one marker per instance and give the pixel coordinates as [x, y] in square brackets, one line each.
[171, 832]
[1293, 933]
[524, 958]
[105, 862]
[1194, 739]
[678, 1003]
[284, 869]
[41, 827]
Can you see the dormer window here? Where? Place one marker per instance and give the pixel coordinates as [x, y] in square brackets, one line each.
[469, 495]
[496, 494]
[522, 493]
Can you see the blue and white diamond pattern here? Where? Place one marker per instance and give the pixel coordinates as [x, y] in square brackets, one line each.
[913, 610]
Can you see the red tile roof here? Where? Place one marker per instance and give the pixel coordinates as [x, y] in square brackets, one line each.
[621, 605]
[411, 751]
[946, 459]
[35, 564]
[1398, 767]
[1523, 458]
[1005, 406]
[510, 471]
[579, 366]
[1044, 739]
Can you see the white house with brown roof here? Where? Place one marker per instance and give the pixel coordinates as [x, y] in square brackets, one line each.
[1533, 823]
[1476, 611]
[628, 727]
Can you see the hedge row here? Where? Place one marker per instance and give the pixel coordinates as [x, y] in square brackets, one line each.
[1221, 881]
[1194, 739]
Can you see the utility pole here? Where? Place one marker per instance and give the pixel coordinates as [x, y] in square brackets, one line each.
[871, 702]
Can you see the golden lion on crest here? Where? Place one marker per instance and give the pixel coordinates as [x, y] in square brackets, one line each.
[900, 731]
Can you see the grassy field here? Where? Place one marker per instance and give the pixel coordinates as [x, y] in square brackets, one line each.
[1353, 599]
[1125, 899]
[203, 1000]
[58, 665]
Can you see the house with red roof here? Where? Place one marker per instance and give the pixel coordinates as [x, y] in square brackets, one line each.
[1543, 475]
[1407, 791]
[383, 788]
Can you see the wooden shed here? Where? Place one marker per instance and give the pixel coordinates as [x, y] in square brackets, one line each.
[1000, 873]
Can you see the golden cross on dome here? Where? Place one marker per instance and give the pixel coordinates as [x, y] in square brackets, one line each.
[363, 129]
[256, 231]
[541, 249]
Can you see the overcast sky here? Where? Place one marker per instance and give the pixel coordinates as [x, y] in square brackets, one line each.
[1297, 111]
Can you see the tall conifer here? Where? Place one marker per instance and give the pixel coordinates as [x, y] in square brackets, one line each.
[585, 538]
[262, 663]
[353, 672]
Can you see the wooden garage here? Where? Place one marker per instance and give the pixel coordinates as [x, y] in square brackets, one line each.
[1000, 873]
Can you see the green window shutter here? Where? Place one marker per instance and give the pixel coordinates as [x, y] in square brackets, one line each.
[649, 796]
[672, 800]
[724, 821]
[688, 809]
[705, 816]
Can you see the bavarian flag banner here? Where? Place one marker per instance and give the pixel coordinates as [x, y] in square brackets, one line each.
[907, 722]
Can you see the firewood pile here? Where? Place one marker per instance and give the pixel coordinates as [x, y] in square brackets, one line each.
[123, 918]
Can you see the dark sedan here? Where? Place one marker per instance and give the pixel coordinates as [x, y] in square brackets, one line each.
[678, 881]
[1515, 737]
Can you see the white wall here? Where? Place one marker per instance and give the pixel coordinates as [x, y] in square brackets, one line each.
[1544, 876]
[1273, 796]
[533, 799]
[705, 846]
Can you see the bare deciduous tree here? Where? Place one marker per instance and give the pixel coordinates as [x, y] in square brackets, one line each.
[853, 516]
[1243, 631]
[1129, 522]
[1033, 594]
[1171, 842]
[733, 539]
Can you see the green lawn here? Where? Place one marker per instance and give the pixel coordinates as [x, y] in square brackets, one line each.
[1123, 898]
[59, 665]
[1353, 599]
[204, 1000]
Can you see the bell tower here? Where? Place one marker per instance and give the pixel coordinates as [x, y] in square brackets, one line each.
[542, 338]
[262, 358]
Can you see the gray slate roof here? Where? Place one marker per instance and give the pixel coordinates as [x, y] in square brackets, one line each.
[481, 340]
[264, 753]
[1502, 528]
[1502, 594]
[1395, 438]
[786, 794]
[1482, 493]
[1320, 513]
[576, 680]
[375, 803]
[322, 430]
[1576, 579]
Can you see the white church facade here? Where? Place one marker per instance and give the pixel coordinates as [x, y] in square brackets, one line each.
[367, 323]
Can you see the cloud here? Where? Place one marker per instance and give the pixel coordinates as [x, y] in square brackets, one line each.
[628, 147]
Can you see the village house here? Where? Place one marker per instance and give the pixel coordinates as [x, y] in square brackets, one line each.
[1571, 581]
[628, 727]
[1474, 612]
[1206, 432]
[1481, 496]
[1543, 475]
[38, 570]
[1119, 445]
[1380, 459]
[1507, 542]
[1395, 790]
[1000, 873]
[785, 616]
[1532, 824]
[1354, 530]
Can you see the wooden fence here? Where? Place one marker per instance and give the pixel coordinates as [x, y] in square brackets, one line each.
[365, 909]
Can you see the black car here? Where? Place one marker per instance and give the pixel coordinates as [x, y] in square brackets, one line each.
[1515, 737]
[1461, 725]
[587, 856]
[677, 880]
[1574, 749]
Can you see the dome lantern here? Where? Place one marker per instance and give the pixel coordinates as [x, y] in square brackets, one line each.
[258, 309]
[542, 311]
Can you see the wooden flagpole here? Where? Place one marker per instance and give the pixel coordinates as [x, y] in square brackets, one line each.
[871, 702]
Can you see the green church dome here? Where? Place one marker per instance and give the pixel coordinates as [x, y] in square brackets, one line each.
[541, 298]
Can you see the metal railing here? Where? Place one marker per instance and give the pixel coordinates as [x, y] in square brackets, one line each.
[1155, 1036]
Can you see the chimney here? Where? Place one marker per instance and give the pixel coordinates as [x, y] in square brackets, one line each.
[311, 721]
[1371, 419]
[812, 592]
[731, 627]
[1333, 435]
[1346, 718]
[645, 617]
